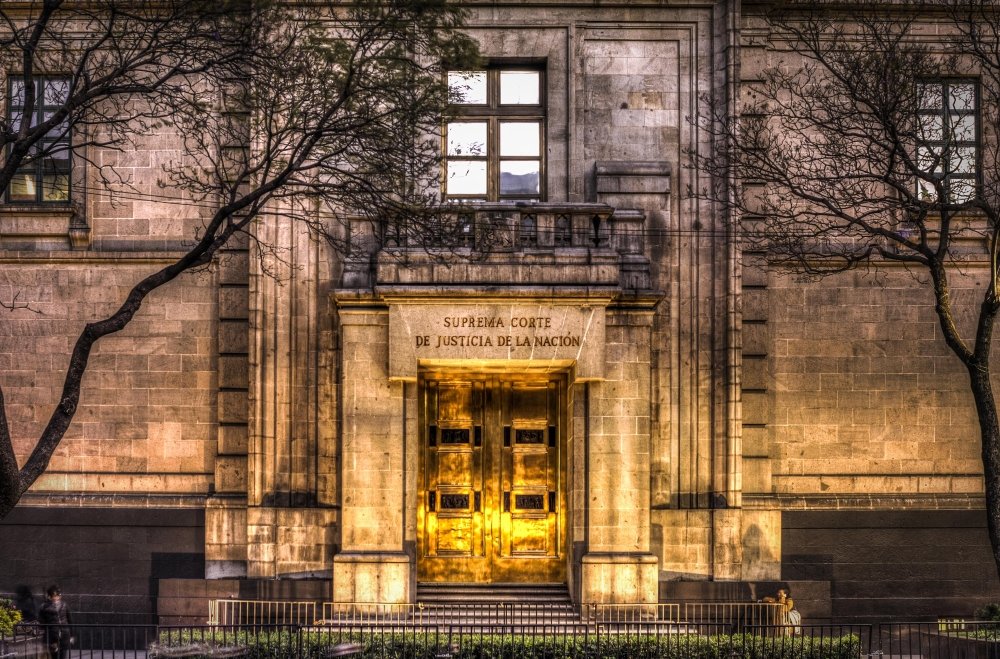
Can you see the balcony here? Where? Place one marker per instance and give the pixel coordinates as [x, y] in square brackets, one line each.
[503, 246]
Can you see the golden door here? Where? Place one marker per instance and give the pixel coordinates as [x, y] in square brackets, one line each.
[492, 505]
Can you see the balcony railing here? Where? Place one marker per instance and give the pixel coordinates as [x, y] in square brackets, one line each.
[540, 234]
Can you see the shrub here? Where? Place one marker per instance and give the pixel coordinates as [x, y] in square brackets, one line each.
[989, 612]
[430, 643]
[9, 616]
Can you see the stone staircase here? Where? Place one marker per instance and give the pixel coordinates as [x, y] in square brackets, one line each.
[492, 605]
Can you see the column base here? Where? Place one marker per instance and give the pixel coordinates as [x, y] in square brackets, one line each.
[619, 578]
[372, 578]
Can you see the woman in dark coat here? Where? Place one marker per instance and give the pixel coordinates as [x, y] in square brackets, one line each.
[55, 618]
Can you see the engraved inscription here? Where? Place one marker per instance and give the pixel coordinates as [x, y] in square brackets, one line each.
[455, 501]
[529, 502]
[530, 436]
[454, 435]
[501, 332]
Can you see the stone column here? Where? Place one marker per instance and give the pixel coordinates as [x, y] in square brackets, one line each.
[372, 565]
[290, 520]
[618, 567]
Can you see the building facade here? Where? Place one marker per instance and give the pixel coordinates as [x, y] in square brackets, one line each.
[613, 396]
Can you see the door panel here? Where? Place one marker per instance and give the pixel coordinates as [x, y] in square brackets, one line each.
[492, 506]
[452, 480]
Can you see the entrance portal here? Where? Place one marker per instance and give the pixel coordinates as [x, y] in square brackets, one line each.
[492, 479]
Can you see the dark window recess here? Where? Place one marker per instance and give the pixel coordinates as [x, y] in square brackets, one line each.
[506, 502]
[454, 435]
[530, 436]
[45, 176]
[432, 434]
[478, 498]
[552, 436]
[529, 231]
[431, 500]
[529, 502]
[478, 430]
[454, 502]
[506, 436]
[948, 140]
[552, 501]
[562, 237]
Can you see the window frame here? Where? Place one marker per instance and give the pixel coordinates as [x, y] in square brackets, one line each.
[945, 113]
[37, 169]
[493, 113]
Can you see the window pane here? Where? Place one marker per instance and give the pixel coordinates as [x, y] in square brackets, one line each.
[931, 128]
[56, 91]
[963, 160]
[56, 159]
[55, 187]
[519, 177]
[17, 93]
[467, 138]
[466, 177]
[961, 190]
[519, 138]
[930, 97]
[58, 131]
[467, 87]
[963, 128]
[519, 87]
[962, 97]
[22, 186]
[928, 160]
[925, 191]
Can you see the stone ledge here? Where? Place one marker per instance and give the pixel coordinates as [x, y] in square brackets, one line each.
[105, 500]
[864, 502]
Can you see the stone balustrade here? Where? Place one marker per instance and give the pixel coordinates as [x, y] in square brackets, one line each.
[478, 241]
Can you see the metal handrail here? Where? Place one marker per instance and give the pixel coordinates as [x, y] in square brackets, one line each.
[250, 612]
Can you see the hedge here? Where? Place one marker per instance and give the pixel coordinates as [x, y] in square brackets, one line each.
[291, 644]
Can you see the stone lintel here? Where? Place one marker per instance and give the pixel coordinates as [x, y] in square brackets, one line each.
[632, 168]
[558, 334]
[499, 292]
[633, 177]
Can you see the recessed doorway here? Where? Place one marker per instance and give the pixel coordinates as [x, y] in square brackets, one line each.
[492, 500]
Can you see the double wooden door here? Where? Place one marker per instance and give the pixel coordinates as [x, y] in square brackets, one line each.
[492, 499]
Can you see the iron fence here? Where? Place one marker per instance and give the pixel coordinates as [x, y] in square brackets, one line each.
[237, 612]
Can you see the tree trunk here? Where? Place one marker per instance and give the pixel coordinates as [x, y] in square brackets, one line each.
[989, 428]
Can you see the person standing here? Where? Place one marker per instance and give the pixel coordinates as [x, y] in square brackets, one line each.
[55, 617]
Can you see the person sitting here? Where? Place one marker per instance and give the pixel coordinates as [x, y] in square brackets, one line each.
[789, 616]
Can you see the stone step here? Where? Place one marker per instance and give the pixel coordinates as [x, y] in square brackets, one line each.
[547, 594]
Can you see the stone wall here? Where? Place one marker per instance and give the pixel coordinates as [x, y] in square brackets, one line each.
[884, 565]
[146, 420]
[866, 399]
[107, 561]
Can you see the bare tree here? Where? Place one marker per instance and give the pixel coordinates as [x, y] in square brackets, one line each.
[96, 74]
[865, 142]
[326, 112]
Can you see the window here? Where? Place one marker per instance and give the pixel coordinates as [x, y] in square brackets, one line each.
[949, 137]
[46, 178]
[495, 135]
